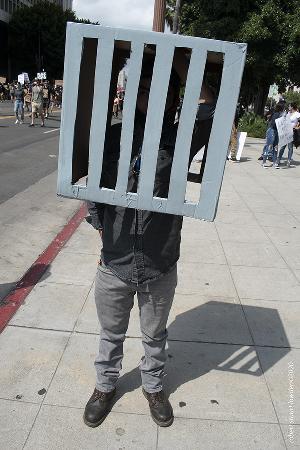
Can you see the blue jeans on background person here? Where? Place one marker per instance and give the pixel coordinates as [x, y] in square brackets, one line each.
[269, 148]
[290, 152]
[19, 109]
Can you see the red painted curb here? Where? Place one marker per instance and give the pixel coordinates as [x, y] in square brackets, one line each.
[14, 299]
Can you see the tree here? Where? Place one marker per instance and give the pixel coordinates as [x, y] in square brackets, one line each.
[270, 28]
[37, 39]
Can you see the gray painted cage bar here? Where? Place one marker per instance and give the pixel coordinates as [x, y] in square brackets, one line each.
[234, 59]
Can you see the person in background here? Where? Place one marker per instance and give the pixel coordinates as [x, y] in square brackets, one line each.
[18, 96]
[2, 93]
[46, 99]
[272, 136]
[116, 107]
[37, 102]
[121, 101]
[27, 98]
[293, 115]
[297, 134]
[11, 92]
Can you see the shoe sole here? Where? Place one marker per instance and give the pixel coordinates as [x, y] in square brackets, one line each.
[163, 424]
[95, 424]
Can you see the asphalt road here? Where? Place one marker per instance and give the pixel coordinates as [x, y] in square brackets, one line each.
[26, 154]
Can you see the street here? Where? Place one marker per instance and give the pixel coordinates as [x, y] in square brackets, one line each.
[26, 154]
[31, 214]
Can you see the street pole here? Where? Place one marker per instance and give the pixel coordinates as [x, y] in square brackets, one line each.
[176, 17]
[159, 15]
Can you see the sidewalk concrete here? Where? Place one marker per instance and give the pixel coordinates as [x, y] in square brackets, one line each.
[29, 221]
[234, 339]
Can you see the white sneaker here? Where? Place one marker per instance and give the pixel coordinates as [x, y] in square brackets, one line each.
[21, 121]
[17, 121]
[288, 163]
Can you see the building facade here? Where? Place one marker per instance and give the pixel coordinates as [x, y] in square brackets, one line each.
[7, 7]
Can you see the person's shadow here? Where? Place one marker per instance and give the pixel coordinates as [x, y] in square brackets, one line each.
[198, 341]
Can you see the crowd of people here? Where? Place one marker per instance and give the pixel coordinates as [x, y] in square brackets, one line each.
[270, 151]
[37, 98]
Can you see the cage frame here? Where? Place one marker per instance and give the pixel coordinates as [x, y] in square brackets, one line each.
[233, 64]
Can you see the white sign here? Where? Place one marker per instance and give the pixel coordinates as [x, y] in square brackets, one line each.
[199, 156]
[41, 76]
[26, 77]
[241, 138]
[285, 130]
[21, 78]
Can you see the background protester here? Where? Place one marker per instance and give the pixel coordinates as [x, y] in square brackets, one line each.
[46, 99]
[2, 92]
[37, 102]
[11, 92]
[294, 116]
[27, 98]
[272, 136]
[116, 107]
[18, 96]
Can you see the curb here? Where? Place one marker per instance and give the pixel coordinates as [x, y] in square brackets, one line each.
[14, 299]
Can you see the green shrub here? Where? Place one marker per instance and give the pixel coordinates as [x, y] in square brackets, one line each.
[255, 125]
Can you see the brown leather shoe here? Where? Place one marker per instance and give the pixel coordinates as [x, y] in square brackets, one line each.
[160, 408]
[98, 407]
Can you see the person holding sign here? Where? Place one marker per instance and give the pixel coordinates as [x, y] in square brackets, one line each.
[293, 116]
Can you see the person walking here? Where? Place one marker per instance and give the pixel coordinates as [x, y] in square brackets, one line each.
[293, 115]
[18, 96]
[37, 103]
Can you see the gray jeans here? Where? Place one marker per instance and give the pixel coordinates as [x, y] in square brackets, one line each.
[114, 300]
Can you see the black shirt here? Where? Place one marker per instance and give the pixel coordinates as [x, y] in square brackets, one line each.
[139, 246]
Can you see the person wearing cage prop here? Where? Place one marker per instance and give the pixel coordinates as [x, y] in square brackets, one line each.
[139, 254]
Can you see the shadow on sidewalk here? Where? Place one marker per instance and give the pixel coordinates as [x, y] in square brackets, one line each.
[29, 280]
[191, 359]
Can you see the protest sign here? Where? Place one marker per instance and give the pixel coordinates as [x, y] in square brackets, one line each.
[285, 130]
[21, 78]
[41, 75]
[241, 139]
